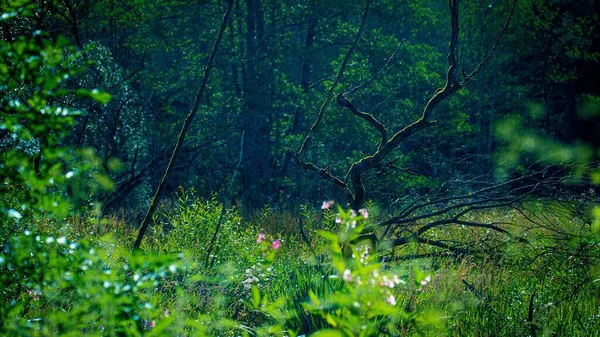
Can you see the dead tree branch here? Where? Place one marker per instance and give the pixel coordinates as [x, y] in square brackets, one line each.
[186, 125]
[325, 173]
[210, 257]
[423, 216]
[469, 77]
[352, 185]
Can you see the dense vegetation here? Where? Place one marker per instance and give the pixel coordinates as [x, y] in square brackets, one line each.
[288, 168]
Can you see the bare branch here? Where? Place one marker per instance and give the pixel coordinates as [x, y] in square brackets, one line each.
[452, 85]
[440, 244]
[186, 125]
[490, 193]
[413, 207]
[327, 175]
[421, 217]
[210, 257]
[438, 254]
[344, 102]
[372, 78]
[452, 54]
[455, 221]
[352, 185]
[302, 148]
[469, 77]
[466, 206]
[307, 166]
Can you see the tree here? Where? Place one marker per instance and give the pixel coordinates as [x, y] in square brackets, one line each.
[353, 185]
[184, 129]
[354, 189]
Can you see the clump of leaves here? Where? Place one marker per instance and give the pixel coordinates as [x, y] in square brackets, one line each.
[367, 304]
[35, 116]
[55, 286]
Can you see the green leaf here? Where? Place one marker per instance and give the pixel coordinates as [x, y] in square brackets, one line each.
[331, 237]
[328, 333]
[331, 320]
[115, 165]
[596, 223]
[100, 96]
[161, 326]
[338, 262]
[268, 259]
[104, 181]
[314, 298]
[255, 297]
[595, 176]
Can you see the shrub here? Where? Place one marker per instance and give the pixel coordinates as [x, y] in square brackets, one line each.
[55, 286]
[35, 116]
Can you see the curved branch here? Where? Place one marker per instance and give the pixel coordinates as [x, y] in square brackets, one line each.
[325, 173]
[485, 197]
[302, 148]
[469, 77]
[492, 226]
[372, 78]
[440, 244]
[470, 206]
[452, 85]
[344, 102]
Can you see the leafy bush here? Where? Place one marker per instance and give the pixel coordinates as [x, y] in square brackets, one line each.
[55, 286]
[35, 115]
[368, 302]
[190, 223]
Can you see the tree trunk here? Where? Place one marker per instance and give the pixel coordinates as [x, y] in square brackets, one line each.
[256, 108]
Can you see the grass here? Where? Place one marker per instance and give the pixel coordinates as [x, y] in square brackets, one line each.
[548, 287]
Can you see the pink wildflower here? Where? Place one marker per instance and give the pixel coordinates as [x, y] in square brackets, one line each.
[327, 204]
[364, 212]
[276, 244]
[347, 275]
[149, 325]
[391, 300]
[261, 237]
[386, 282]
[34, 294]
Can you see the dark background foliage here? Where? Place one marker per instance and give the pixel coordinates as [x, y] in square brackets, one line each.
[276, 63]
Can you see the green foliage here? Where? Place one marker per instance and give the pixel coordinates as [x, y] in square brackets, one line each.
[366, 304]
[273, 72]
[525, 148]
[189, 224]
[35, 116]
[148, 55]
[55, 286]
[566, 248]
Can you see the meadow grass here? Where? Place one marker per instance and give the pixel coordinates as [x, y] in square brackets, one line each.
[548, 286]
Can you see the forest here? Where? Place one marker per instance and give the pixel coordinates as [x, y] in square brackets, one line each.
[299, 168]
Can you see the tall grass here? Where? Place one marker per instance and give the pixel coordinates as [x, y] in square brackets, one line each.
[548, 286]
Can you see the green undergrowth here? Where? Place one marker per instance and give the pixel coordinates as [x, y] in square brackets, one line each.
[78, 276]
